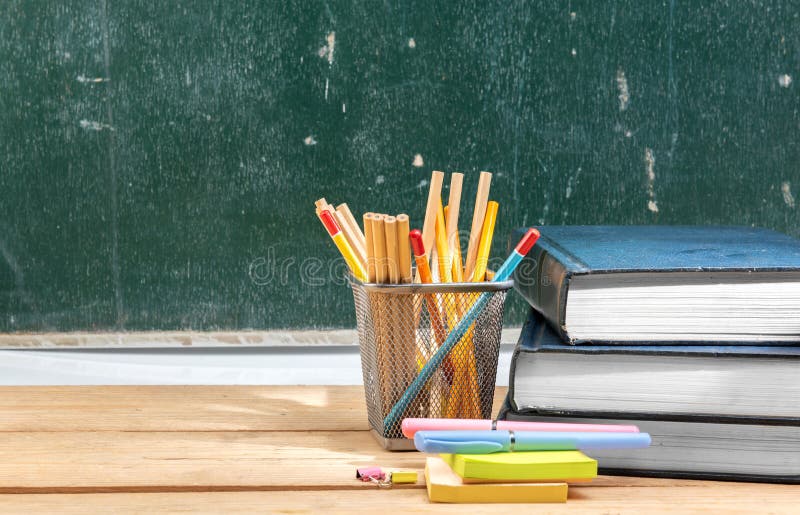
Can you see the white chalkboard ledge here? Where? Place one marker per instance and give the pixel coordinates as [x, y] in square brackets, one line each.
[174, 339]
[319, 365]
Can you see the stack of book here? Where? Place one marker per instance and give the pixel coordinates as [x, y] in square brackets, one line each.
[691, 333]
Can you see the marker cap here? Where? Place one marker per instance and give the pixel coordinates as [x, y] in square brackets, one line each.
[526, 243]
[416, 242]
[330, 224]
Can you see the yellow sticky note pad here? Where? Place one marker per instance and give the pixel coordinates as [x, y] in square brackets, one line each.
[444, 485]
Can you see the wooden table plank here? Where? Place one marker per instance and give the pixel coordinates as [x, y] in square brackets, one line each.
[733, 498]
[191, 461]
[211, 461]
[186, 408]
[165, 449]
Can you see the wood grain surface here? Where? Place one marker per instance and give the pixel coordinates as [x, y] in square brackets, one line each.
[260, 449]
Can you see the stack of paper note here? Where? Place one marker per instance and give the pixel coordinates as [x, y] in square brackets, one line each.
[506, 477]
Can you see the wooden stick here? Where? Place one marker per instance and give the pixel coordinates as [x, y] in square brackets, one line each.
[369, 246]
[381, 310]
[451, 225]
[379, 247]
[392, 256]
[356, 244]
[403, 248]
[322, 205]
[481, 198]
[434, 199]
[406, 310]
[351, 221]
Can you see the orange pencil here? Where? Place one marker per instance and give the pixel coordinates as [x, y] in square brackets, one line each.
[420, 256]
[425, 276]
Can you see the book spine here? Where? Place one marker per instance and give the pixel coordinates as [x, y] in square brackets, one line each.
[542, 279]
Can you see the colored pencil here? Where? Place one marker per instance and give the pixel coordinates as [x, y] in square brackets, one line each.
[352, 232]
[442, 248]
[335, 232]
[479, 274]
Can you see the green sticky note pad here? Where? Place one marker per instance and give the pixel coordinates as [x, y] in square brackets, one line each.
[524, 466]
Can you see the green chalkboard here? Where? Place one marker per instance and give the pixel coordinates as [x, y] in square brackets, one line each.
[159, 161]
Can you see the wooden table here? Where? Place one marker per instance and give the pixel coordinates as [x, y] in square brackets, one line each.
[259, 449]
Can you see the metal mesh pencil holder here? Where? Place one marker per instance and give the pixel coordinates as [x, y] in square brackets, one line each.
[400, 326]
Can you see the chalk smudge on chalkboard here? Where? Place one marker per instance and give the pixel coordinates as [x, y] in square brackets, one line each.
[412, 43]
[785, 80]
[327, 50]
[12, 263]
[788, 198]
[650, 164]
[619, 128]
[309, 140]
[94, 80]
[545, 209]
[90, 125]
[624, 93]
[418, 161]
[571, 183]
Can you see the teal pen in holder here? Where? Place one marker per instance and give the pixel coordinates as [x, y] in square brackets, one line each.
[503, 274]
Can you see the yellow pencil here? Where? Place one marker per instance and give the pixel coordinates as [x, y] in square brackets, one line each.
[486, 242]
[470, 399]
[443, 254]
[338, 238]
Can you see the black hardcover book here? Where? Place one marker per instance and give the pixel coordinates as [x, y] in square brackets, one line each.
[713, 412]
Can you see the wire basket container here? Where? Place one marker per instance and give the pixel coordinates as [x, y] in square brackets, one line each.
[401, 326]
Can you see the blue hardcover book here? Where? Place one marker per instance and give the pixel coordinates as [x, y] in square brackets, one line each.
[661, 284]
[733, 382]
[719, 412]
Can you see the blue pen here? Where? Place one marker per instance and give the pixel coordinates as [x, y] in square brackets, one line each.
[502, 274]
[486, 442]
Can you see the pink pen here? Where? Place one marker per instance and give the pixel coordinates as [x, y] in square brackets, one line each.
[411, 425]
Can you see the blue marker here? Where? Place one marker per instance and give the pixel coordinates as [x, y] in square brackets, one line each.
[486, 442]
